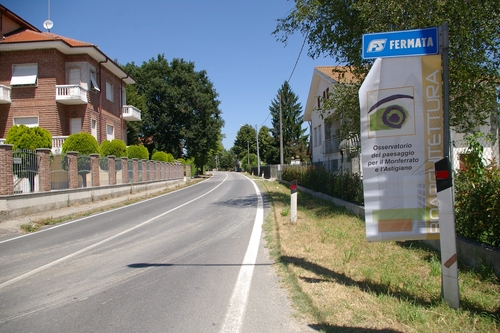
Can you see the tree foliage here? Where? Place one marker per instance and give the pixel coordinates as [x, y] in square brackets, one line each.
[334, 28]
[245, 141]
[24, 137]
[181, 113]
[294, 137]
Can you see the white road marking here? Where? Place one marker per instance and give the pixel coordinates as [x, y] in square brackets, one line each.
[238, 302]
[69, 256]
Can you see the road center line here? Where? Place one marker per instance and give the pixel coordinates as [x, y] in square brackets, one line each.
[238, 302]
[90, 247]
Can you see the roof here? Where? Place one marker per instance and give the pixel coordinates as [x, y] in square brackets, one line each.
[27, 37]
[330, 74]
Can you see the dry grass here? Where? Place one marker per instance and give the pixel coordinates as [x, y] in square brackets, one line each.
[341, 283]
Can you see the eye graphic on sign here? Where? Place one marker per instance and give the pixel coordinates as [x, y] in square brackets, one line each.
[388, 114]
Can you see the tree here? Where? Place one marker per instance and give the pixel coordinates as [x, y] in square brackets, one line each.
[334, 28]
[245, 141]
[267, 151]
[291, 115]
[181, 114]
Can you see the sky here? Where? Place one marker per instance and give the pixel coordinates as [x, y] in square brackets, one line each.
[230, 39]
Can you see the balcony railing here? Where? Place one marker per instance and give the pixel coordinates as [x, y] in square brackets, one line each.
[71, 94]
[57, 143]
[131, 113]
[330, 146]
[5, 95]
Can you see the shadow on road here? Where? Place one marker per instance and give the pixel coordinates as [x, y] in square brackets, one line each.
[145, 265]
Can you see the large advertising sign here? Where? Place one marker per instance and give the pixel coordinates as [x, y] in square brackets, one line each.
[401, 138]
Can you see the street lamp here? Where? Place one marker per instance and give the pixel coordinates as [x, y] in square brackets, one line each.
[258, 157]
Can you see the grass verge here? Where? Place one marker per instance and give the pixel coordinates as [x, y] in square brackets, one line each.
[340, 283]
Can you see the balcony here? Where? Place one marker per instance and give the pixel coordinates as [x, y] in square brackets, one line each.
[71, 94]
[330, 146]
[5, 95]
[131, 113]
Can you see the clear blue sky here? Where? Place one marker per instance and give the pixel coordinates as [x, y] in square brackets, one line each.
[230, 39]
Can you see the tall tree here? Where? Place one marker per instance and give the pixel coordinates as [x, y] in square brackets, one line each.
[245, 141]
[181, 115]
[334, 28]
[293, 133]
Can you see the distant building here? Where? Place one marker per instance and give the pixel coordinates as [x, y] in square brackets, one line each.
[325, 146]
[61, 84]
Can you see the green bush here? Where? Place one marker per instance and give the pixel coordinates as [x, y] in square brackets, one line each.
[83, 143]
[162, 157]
[25, 141]
[24, 137]
[477, 197]
[139, 152]
[344, 186]
[116, 148]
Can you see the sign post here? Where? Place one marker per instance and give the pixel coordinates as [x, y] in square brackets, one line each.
[447, 239]
[293, 201]
[406, 143]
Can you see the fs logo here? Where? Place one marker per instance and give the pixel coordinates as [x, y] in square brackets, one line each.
[376, 45]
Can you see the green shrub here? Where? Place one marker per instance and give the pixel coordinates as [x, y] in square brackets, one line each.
[83, 143]
[115, 148]
[162, 157]
[477, 197]
[139, 152]
[25, 141]
[344, 186]
[24, 137]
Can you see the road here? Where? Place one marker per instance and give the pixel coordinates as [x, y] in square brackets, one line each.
[192, 260]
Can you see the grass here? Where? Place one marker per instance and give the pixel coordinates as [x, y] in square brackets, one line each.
[340, 283]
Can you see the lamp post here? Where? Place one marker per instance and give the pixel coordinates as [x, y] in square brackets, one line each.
[258, 157]
[248, 153]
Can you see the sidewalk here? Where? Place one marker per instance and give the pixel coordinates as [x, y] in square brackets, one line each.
[12, 227]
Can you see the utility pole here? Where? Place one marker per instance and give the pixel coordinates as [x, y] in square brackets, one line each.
[281, 138]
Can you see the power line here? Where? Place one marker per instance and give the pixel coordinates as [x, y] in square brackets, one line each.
[298, 57]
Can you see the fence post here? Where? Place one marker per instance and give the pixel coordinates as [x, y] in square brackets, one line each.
[135, 169]
[188, 170]
[144, 170]
[94, 170]
[124, 170]
[111, 170]
[44, 168]
[72, 168]
[6, 172]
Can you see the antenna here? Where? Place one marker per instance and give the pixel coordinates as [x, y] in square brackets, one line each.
[48, 24]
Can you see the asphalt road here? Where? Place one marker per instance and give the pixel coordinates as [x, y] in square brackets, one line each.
[192, 260]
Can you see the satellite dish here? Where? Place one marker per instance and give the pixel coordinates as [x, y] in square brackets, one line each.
[48, 24]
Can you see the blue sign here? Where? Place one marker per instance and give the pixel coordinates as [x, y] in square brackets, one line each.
[401, 43]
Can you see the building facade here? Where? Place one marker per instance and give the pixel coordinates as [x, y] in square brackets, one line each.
[61, 84]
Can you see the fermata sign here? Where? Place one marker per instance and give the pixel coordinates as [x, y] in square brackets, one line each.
[401, 138]
[401, 43]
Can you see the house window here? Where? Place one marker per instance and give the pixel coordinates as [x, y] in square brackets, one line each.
[75, 125]
[28, 121]
[93, 128]
[109, 91]
[24, 75]
[74, 76]
[110, 132]
[93, 82]
[320, 140]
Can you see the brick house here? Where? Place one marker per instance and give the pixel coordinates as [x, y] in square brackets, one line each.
[61, 84]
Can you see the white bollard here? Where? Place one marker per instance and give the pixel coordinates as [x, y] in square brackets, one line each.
[293, 201]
